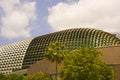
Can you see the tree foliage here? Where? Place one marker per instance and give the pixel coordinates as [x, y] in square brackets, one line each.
[40, 76]
[13, 77]
[16, 77]
[2, 77]
[55, 54]
[85, 64]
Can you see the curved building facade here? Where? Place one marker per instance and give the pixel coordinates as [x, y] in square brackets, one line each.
[30, 51]
[12, 56]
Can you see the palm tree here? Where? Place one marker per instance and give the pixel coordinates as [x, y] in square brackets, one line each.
[55, 54]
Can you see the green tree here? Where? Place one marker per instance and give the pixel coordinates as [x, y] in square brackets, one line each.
[3, 77]
[85, 64]
[16, 77]
[40, 76]
[55, 54]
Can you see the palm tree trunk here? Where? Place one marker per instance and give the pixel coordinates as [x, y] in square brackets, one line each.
[56, 75]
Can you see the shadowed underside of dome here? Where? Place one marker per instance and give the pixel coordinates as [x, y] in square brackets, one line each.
[72, 38]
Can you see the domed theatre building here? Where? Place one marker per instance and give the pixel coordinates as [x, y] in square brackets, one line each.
[26, 57]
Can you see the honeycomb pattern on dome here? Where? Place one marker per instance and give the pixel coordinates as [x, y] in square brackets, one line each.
[12, 55]
[72, 38]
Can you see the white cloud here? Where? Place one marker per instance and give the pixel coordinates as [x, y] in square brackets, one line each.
[16, 19]
[100, 14]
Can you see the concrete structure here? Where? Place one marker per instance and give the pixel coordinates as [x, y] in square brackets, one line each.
[112, 57]
[21, 55]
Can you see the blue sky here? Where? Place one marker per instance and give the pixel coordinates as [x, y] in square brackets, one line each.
[24, 19]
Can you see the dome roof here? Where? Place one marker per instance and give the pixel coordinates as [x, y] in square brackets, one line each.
[71, 38]
[21, 55]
